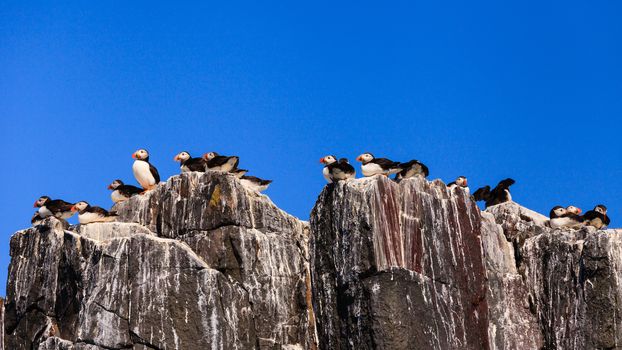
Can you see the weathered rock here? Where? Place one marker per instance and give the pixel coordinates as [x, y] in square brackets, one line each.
[398, 266]
[206, 265]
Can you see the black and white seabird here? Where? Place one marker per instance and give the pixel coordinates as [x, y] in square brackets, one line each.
[88, 214]
[327, 161]
[377, 166]
[337, 170]
[53, 207]
[565, 217]
[36, 219]
[255, 183]
[187, 163]
[122, 192]
[412, 168]
[144, 172]
[498, 195]
[214, 161]
[461, 182]
[597, 218]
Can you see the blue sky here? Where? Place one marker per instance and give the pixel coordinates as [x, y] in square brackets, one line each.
[490, 90]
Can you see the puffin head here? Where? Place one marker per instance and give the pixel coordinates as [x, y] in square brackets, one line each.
[557, 212]
[601, 209]
[81, 205]
[328, 160]
[115, 184]
[573, 210]
[344, 161]
[462, 181]
[182, 157]
[41, 201]
[141, 154]
[210, 155]
[365, 157]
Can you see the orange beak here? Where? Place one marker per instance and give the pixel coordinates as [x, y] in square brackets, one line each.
[74, 208]
[322, 160]
[134, 155]
[109, 187]
[580, 211]
[176, 158]
[465, 183]
[359, 158]
[35, 205]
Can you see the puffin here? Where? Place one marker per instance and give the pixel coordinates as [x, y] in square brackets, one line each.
[565, 217]
[36, 219]
[461, 182]
[498, 195]
[53, 207]
[254, 183]
[239, 172]
[412, 168]
[377, 166]
[122, 192]
[88, 214]
[597, 217]
[144, 172]
[214, 161]
[327, 161]
[341, 170]
[187, 163]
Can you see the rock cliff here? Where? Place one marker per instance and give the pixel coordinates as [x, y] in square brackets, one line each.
[200, 263]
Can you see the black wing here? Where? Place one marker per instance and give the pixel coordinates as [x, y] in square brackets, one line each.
[129, 190]
[99, 210]
[386, 163]
[155, 173]
[195, 164]
[503, 184]
[220, 160]
[256, 180]
[58, 206]
[482, 194]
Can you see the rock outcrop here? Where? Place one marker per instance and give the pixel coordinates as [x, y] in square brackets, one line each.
[197, 263]
[200, 263]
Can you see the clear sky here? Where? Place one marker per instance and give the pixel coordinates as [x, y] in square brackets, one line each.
[530, 90]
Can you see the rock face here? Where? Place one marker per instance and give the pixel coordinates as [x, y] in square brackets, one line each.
[200, 263]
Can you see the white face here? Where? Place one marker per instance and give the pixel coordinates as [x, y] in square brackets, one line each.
[80, 206]
[141, 154]
[559, 212]
[601, 210]
[114, 185]
[573, 209]
[41, 201]
[182, 156]
[365, 157]
[461, 181]
[328, 160]
[210, 155]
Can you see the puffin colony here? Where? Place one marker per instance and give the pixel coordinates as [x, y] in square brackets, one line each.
[334, 170]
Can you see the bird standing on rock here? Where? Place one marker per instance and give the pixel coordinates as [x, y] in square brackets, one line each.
[216, 162]
[412, 168]
[498, 195]
[122, 192]
[597, 218]
[53, 207]
[460, 182]
[187, 163]
[337, 170]
[565, 217]
[88, 214]
[144, 172]
[377, 166]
